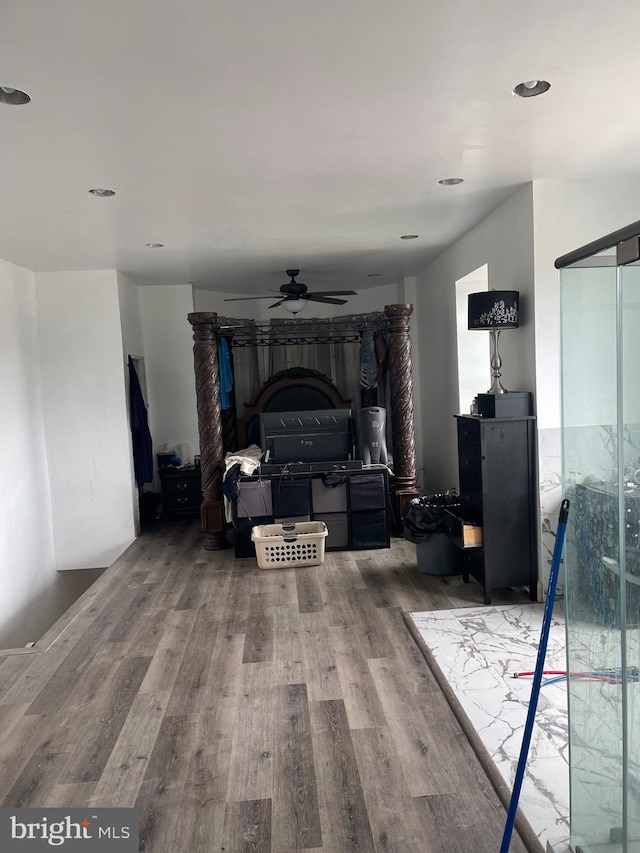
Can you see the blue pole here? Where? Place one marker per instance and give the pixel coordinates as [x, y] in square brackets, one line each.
[537, 678]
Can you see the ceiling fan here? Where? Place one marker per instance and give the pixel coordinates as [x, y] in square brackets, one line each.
[295, 295]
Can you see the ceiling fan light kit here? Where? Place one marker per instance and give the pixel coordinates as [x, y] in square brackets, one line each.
[294, 306]
[295, 295]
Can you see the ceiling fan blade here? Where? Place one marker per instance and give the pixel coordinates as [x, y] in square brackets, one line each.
[244, 298]
[335, 293]
[275, 304]
[318, 297]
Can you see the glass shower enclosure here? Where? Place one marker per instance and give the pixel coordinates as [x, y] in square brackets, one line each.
[600, 365]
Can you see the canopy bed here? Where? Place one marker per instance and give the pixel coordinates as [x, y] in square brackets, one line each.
[221, 431]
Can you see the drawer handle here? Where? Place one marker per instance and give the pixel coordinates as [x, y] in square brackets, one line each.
[181, 485]
[183, 500]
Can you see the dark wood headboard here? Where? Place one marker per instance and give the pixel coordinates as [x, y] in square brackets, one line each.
[296, 389]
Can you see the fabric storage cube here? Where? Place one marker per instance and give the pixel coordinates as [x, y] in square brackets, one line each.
[327, 498]
[337, 529]
[290, 497]
[367, 491]
[244, 546]
[254, 499]
[369, 529]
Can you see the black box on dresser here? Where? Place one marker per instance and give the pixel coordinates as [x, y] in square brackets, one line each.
[511, 404]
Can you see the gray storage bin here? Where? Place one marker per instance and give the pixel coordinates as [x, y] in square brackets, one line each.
[328, 498]
[337, 528]
[254, 499]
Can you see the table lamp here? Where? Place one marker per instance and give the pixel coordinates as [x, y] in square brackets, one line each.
[493, 311]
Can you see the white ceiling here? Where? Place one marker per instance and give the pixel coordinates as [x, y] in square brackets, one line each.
[249, 136]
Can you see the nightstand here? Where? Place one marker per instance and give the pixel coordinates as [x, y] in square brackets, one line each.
[181, 491]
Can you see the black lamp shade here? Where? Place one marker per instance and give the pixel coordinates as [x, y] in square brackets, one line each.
[494, 309]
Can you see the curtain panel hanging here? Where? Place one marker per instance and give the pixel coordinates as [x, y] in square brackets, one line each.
[337, 347]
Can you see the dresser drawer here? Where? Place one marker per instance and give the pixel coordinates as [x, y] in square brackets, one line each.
[464, 533]
[469, 430]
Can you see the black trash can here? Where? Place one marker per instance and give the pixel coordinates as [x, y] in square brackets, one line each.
[423, 524]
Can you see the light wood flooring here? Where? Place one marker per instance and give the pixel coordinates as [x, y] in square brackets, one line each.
[248, 710]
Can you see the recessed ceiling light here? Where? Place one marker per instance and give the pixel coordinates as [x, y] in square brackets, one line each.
[409, 237]
[155, 245]
[450, 182]
[15, 97]
[531, 88]
[102, 193]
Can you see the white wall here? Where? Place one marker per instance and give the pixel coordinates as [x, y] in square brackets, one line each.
[503, 241]
[85, 416]
[207, 300]
[130, 318]
[168, 350]
[568, 215]
[26, 533]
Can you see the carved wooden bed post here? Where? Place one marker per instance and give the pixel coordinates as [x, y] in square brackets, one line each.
[403, 483]
[205, 359]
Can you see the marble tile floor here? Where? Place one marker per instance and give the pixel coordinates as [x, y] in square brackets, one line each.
[477, 650]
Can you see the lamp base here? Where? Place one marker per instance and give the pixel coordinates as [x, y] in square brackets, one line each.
[496, 387]
[496, 364]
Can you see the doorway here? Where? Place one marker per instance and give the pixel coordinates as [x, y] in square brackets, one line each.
[473, 349]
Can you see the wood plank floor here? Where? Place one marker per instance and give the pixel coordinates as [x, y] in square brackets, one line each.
[247, 710]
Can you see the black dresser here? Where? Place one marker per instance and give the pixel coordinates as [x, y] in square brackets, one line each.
[495, 525]
[181, 491]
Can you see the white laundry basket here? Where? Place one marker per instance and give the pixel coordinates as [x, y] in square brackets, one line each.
[285, 546]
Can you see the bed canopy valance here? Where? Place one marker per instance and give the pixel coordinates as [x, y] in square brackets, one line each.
[219, 430]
